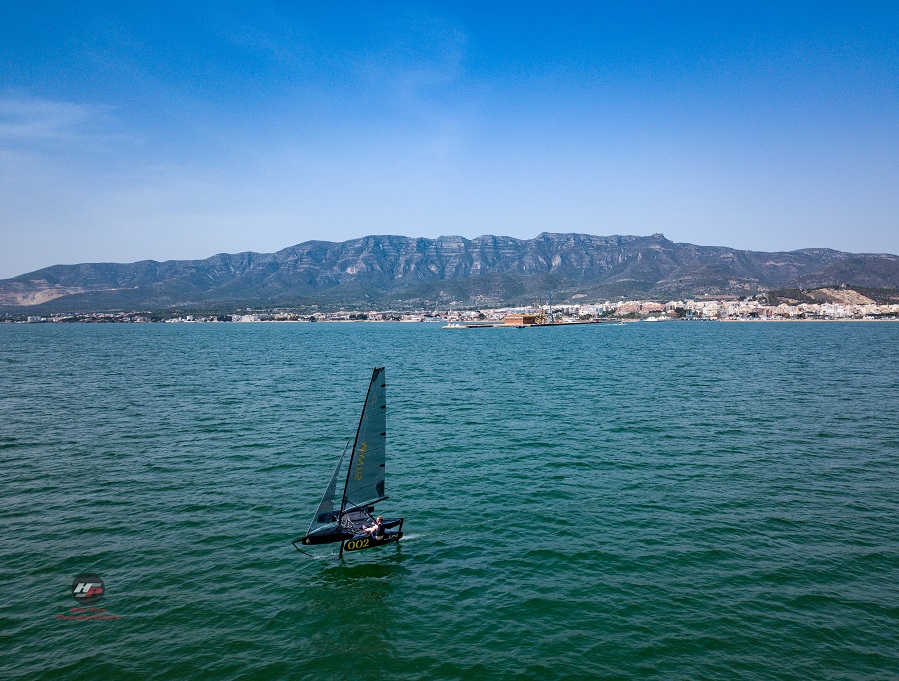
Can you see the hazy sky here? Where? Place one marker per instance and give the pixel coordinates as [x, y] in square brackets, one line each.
[168, 131]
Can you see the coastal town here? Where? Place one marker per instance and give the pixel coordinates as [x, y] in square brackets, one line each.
[747, 309]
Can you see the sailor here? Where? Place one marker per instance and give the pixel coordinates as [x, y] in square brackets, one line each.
[376, 530]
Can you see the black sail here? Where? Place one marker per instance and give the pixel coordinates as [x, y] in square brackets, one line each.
[326, 514]
[365, 477]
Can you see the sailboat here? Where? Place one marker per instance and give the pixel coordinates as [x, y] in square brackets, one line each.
[342, 519]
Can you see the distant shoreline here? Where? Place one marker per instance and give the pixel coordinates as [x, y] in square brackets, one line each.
[606, 322]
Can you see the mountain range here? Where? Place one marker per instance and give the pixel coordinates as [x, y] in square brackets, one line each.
[404, 272]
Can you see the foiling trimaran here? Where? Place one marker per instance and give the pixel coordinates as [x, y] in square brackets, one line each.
[342, 520]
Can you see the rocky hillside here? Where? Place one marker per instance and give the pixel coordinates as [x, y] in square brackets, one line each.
[842, 295]
[378, 271]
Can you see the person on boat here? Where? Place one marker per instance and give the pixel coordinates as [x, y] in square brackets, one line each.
[376, 530]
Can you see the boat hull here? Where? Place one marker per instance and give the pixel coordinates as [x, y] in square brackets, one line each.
[333, 536]
[366, 541]
[329, 538]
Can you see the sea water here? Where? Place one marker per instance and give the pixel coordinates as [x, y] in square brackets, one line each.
[678, 500]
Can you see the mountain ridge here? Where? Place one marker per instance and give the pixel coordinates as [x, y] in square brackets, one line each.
[391, 270]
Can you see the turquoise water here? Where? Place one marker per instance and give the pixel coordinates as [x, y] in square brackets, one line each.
[678, 501]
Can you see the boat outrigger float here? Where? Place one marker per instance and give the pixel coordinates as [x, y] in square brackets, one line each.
[364, 487]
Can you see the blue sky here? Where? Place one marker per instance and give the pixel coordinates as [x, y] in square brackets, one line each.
[163, 131]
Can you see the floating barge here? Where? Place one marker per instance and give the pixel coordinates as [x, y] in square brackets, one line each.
[472, 325]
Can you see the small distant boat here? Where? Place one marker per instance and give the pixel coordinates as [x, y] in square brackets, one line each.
[343, 520]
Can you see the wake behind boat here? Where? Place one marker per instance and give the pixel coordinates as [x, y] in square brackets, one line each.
[351, 520]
